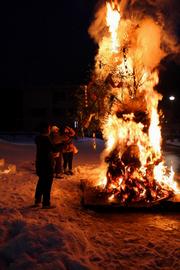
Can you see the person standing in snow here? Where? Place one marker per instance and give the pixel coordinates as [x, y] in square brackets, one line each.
[44, 167]
[69, 150]
[56, 140]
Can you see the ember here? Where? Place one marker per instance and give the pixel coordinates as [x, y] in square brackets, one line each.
[126, 72]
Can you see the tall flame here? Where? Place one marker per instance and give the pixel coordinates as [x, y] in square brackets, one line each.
[112, 19]
[155, 132]
[131, 128]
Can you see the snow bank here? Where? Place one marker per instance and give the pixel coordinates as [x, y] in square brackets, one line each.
[69, 236]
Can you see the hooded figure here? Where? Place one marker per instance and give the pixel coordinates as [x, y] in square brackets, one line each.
[57, 141]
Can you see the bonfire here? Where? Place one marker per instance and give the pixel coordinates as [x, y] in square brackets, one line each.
[134, 169]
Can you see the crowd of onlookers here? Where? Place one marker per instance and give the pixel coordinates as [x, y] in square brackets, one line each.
[54, 157]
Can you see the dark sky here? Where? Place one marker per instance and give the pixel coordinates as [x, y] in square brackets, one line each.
[45, 44]
[49, 44]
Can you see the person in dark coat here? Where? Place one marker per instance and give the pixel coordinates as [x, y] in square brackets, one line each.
[56, 140]
[44, 167]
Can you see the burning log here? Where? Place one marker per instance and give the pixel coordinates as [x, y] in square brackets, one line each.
[127, 183]
[131, 157]
[116, 166]
[96, 198]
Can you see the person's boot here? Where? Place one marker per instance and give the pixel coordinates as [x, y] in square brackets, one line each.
[36, 205]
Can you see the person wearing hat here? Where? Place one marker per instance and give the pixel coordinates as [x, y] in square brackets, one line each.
[69, 149]
[57, 140]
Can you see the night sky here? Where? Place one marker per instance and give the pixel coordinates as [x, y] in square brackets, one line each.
[49, 44]
[46, 44]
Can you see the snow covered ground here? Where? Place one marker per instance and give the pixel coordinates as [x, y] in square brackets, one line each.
[70, 237]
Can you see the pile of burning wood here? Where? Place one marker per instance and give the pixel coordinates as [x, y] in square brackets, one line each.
[126, 183]
[135, 170]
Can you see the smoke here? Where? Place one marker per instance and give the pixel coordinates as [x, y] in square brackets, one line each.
[157, 21]
[149, 43]
[98, 29]
[165, 13]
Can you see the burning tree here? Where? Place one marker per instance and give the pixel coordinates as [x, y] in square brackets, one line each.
[124, 79]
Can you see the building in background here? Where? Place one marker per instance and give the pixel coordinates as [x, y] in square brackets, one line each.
[24, 110]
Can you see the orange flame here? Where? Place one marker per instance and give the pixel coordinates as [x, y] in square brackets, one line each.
[112, 19]
[131, 87]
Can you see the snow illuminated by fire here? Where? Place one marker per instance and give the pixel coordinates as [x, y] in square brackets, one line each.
[71, 236]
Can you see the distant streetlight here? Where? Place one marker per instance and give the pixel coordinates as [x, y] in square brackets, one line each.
[172, 98]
